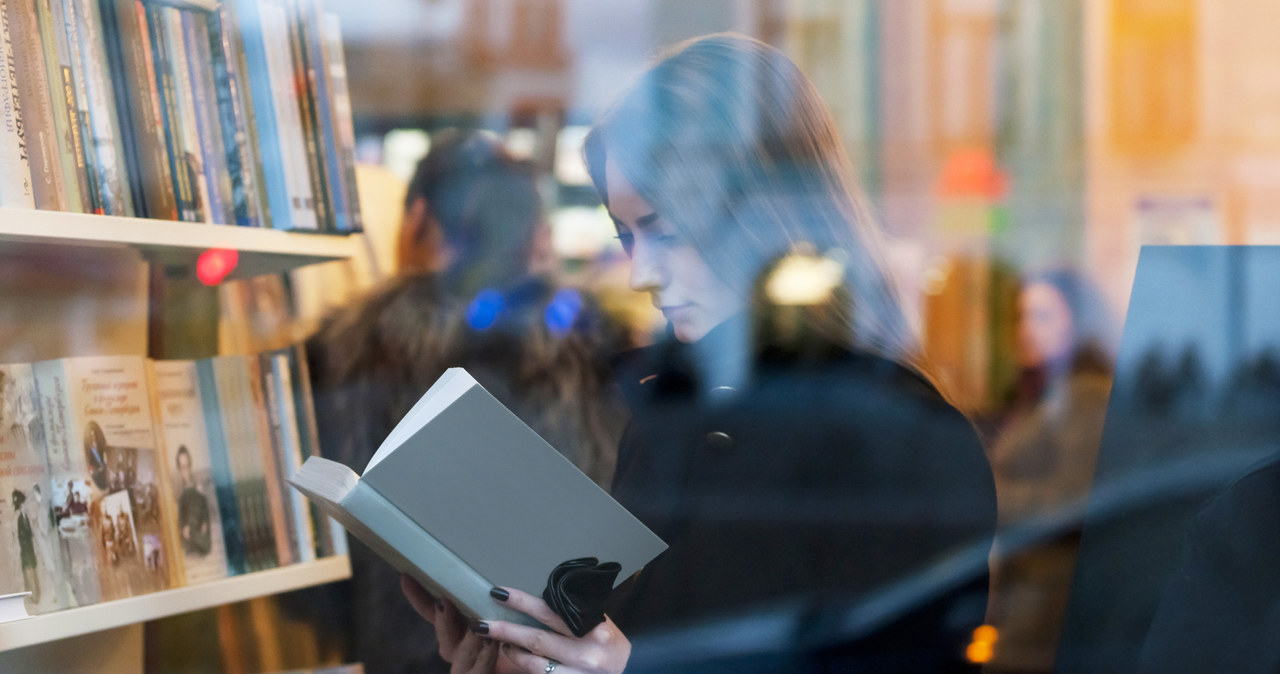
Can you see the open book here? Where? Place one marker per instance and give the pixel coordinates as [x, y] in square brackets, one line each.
[463, 496]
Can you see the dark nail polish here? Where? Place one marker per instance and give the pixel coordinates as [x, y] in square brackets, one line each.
[499, 594]
[480, 627]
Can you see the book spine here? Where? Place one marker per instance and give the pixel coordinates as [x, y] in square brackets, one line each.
[66, 113]
[195, 32]
[33, 90]
[246, 462]
[305, 91]
[184, 103]
[105, 140]
[133, 81]
[332, 539]
[179, 166]
[291, 456]
[280, 75]
[259, 102]
[15, 168]
[178, 574]
[342, 118]
[220, 465]
[278, 446]
[285, 543]
[241, 159]
[65, 18]
[312, 35]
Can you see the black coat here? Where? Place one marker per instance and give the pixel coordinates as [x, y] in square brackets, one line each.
[802, 495]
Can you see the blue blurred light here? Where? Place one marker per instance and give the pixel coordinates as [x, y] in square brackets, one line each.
[562, 312]
[484, 310]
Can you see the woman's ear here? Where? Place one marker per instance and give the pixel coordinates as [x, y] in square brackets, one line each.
[420, 241]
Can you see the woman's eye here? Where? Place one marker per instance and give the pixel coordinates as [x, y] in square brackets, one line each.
[628, 242]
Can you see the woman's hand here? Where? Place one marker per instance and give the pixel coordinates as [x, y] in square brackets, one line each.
[464, 650]
[604, 650]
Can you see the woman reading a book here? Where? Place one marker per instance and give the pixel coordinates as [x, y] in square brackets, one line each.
[783, 442]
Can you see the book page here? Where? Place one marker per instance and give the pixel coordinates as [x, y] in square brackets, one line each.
[448, 388]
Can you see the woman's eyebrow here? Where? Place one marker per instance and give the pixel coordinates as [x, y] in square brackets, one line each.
[646, 220]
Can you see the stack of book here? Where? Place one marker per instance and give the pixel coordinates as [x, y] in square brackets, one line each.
[231, 113]
[123, 475]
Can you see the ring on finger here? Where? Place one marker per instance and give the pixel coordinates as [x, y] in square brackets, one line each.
[551, 666]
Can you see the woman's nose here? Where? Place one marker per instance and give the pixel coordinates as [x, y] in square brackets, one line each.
[646, 271]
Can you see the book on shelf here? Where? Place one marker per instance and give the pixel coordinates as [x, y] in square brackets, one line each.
[13, 607]
[463, 496]
[35, 102]
[109, 488]
[15, 169]
[29, 557]
[220, 113]
[182, 427]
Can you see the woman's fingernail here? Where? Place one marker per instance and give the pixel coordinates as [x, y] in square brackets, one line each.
[499, 594]
[480, 627]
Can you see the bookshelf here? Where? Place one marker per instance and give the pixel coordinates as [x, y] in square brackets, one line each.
[261, 251]
[108, 636]
[108, 615]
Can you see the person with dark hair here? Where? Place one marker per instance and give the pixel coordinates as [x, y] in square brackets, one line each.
[193, 509]
[467, 296]
[95, 453]
[26, 547]
[1043, 456]
[806, 476]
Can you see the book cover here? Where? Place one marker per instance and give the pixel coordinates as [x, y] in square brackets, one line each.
[180, 413]
[105, 142]
[15, 169]
[37, 106]
[29, 557]
[464, 496]
[66, 111]
[342, 118]
[103, 462]
[133, 80]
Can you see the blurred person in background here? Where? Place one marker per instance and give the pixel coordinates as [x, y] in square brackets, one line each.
[468, 294]
[1043, 457]
[783, 443]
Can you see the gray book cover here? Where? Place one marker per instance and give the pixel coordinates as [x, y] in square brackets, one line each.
[494, 493]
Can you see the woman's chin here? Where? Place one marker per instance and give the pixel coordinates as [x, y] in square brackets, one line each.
[687, 331]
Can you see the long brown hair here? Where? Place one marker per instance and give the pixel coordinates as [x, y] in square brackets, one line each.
[728, 141]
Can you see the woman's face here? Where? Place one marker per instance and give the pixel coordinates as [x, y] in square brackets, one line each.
[1044, 325]
[691, 296]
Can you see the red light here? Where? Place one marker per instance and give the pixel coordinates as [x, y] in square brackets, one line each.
[973, 172]
[214, 265]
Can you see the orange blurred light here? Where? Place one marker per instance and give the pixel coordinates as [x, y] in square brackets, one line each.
[986, 633]
[979, 652]
[214, 264]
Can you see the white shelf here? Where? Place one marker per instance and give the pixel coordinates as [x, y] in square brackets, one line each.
[261, 251]
[122, 612]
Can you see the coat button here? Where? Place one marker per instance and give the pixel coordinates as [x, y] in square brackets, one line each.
[719, 440]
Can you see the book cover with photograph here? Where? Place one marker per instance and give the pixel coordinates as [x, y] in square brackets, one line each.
[181, 424]
[104, 462]
[29, 559]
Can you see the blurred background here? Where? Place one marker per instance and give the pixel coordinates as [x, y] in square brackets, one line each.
[1017, 153]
